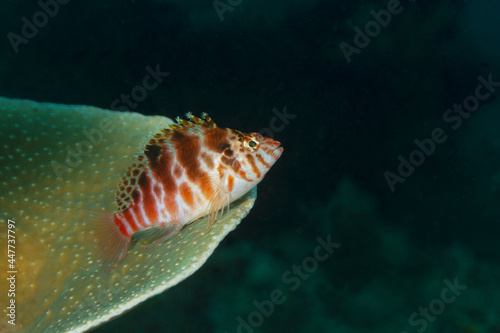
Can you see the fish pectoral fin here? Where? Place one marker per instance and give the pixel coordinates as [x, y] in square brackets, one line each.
[218, 204]
[155, 235]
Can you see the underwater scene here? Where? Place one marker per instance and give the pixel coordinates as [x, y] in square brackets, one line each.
[247, 166]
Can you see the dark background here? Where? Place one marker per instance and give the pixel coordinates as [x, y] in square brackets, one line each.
[352, 122]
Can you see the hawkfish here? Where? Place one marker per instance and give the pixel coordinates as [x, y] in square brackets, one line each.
[186, 172]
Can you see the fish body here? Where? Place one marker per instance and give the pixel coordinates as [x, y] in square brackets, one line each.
[188, 171]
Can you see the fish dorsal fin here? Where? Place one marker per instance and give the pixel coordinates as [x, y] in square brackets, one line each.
[203, 123]
[157, 234]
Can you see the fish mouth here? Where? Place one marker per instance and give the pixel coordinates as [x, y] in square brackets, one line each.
[274, 147]
[277, 152]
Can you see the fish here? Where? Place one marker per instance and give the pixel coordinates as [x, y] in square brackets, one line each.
[187, 171]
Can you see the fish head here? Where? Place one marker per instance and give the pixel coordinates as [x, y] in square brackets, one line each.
[249, 157]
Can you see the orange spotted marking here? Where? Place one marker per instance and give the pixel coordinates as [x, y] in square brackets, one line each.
[208, 161]
[251, 160]
[230, 183]
[244, 176]
[177, 171]
[186, 194]
[261, 160]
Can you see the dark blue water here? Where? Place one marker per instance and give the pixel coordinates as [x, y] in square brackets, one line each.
[381, 215]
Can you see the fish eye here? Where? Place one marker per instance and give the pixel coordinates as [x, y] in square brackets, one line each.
[251, 144]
